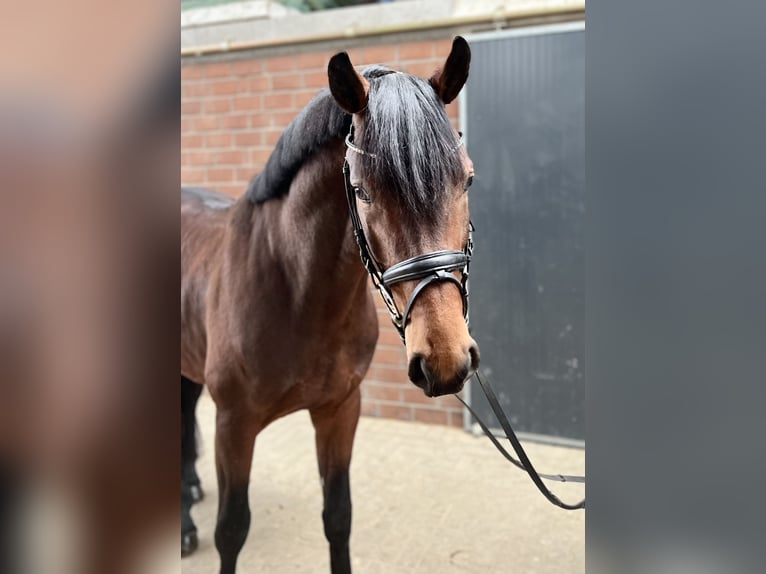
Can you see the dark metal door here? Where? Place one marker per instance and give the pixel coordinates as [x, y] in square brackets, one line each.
[523, 112]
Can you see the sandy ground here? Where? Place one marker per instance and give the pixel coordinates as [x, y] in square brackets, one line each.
[427, 499]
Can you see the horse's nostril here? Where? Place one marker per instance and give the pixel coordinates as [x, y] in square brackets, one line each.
[473, 352]
[415, 370]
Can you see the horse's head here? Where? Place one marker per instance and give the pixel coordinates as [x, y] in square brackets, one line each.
[408, 177]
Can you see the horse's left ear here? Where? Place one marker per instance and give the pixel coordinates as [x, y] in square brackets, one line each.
[449, 80]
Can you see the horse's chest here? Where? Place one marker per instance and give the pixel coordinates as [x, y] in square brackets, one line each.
[290, 354]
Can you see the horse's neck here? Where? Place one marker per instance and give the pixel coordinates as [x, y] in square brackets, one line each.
[308, 235]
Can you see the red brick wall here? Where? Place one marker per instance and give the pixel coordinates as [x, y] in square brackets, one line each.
[232, 113]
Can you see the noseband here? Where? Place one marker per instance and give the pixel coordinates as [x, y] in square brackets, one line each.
[429, 267]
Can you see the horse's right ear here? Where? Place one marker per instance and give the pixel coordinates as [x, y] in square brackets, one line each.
[348, 88]
[450, 80]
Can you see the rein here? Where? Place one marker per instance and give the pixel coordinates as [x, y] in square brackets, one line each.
[524, 464]
[430, 267]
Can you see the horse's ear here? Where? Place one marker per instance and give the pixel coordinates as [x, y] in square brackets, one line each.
[449, 80]
[348, 88]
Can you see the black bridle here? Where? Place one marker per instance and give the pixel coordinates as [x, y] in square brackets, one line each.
[438, 266]
[428, 267]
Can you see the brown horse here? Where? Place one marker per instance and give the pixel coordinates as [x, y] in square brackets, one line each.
[277, 314]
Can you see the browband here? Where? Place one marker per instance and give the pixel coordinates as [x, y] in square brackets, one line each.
[356, 149]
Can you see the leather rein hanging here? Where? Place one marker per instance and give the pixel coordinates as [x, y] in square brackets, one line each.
[438, 266]
[525, 463]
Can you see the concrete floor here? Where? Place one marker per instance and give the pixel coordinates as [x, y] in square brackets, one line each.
[427, 499]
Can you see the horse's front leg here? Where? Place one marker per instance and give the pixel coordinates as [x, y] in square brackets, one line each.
[235, 433]
[335, 428]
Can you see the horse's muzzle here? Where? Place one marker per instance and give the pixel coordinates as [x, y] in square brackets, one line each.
[434, 385]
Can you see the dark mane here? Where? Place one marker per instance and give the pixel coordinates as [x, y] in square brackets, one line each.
[319, 122]
[407, 128]
[405, 125]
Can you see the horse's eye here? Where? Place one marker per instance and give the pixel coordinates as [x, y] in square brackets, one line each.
[361, 194]
[468, 182]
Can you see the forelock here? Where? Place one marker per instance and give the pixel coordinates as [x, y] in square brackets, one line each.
[407, 129]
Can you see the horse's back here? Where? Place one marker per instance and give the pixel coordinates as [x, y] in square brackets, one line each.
[200, 198]
[204, 217]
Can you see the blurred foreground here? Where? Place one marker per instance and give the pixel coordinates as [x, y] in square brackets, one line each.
[89, 122]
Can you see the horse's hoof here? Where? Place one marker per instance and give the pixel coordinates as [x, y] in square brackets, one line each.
[189, 543]
[196, 493]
